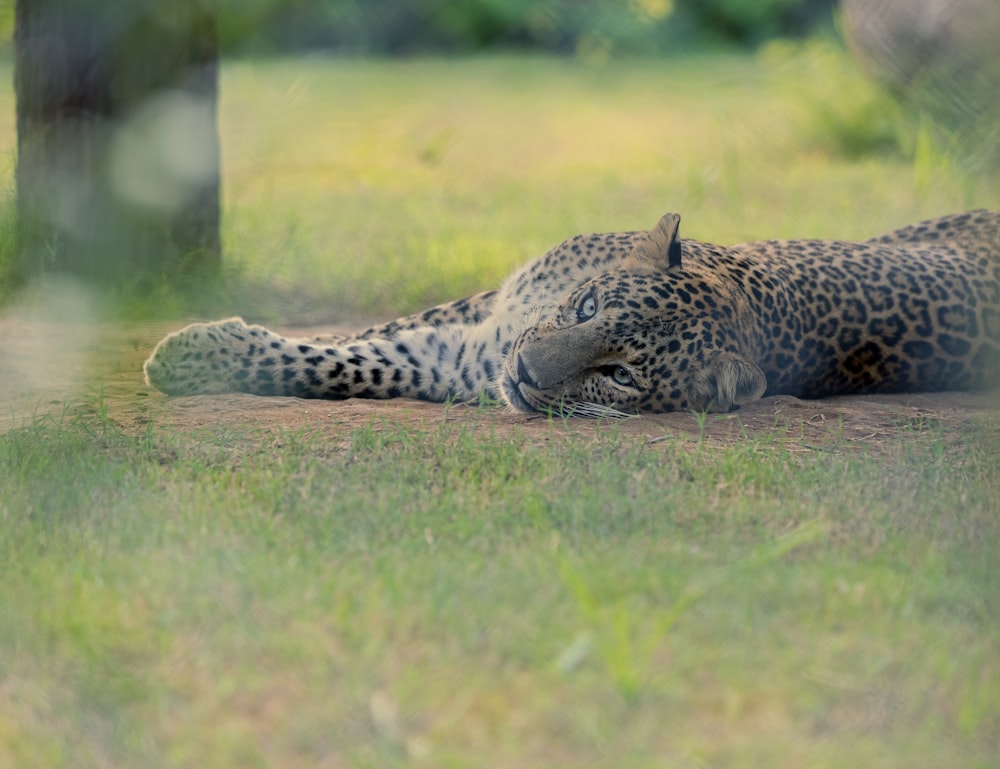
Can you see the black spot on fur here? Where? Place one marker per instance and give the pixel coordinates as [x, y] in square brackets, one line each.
[918, 349]
[954, 345]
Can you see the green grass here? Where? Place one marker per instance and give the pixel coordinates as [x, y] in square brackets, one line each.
[453, 597]
[403, 598]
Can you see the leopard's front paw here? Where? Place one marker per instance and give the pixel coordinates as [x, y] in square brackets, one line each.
[203, 358]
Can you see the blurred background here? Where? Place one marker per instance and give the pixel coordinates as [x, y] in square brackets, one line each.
[567, 27]
[294, 146]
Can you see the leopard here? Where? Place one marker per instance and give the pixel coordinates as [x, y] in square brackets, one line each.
[617, 324]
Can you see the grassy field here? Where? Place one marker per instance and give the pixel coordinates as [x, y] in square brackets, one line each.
[455, 596]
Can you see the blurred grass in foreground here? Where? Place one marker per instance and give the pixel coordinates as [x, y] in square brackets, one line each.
[443, 598]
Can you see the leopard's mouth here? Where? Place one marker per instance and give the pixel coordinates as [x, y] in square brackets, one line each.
[517, 395]
[513, 393]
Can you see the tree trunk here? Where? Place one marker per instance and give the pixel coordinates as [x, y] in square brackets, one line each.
[118, 149]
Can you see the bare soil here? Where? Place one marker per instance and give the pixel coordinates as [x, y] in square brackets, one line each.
[63, 370]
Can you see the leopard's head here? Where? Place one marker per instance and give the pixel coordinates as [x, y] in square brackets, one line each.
[651, 336]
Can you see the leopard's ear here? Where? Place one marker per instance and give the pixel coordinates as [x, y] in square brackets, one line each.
[660, 248]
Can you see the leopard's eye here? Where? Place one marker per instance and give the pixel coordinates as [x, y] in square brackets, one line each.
[619, 375]
[587, 307]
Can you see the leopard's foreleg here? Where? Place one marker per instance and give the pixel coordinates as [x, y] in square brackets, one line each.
[452, 361]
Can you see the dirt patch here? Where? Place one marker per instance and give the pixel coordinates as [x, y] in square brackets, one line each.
[62, 370]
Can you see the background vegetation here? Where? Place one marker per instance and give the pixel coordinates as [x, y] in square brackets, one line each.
[590, 27]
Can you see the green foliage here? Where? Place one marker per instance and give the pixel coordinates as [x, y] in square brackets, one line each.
[393, 27]
[752, 21]
[589, 27]
[842, 109]
[565, 26]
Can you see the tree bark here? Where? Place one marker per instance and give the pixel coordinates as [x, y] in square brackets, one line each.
[118, 150]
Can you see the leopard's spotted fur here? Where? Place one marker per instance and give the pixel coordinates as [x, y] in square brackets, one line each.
[647, 321]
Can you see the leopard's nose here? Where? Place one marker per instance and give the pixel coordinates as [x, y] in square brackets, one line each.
[522, 373]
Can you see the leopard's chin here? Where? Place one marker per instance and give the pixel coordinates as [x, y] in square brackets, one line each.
[510, 388]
